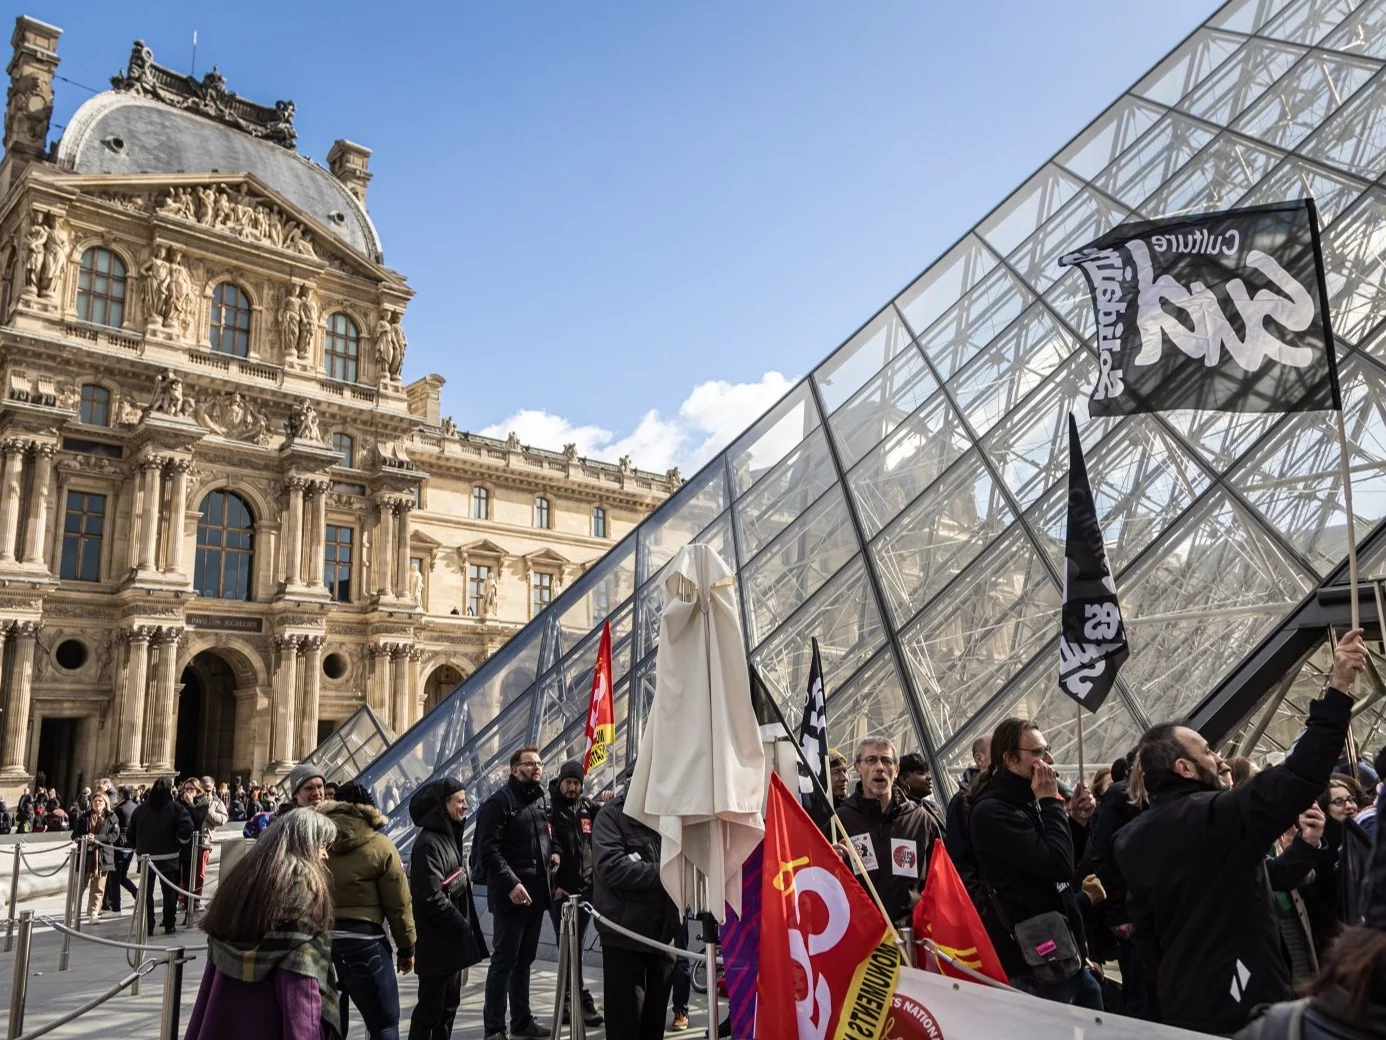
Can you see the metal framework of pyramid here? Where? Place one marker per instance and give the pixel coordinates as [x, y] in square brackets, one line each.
[905, 502]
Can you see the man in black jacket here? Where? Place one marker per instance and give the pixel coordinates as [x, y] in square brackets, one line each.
[1194, 863]
[159, 827]
[918, 782]
[1114, 812]
[891, 833]
[571, 814]
[636, 979]
[517, 854]
[957, 829]
[448, 930]
[122, 811]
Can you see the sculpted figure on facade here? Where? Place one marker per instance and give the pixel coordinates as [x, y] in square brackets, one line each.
[233, 415]
[449, 427]
[488, 606]
[290, 321]
[416, 582]
[180, 293]
[169, 398]
[240, 213]
[45, 255]
[307, 324]
[398, 345]
[157, 278]
[383, 342]
[570, 451]
[302, 423]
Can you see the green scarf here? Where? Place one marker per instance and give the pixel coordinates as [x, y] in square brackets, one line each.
[284, 949]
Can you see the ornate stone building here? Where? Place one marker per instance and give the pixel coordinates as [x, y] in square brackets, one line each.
[226, 519]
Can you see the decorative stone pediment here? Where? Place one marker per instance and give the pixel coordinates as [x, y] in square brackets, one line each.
[237, 211]
[234, 416]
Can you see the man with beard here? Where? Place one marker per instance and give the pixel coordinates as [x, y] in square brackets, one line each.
[571, 814]
[1194, 862]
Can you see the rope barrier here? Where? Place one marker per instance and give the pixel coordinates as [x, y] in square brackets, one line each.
[39, 873]
[181, 891]
[57, 924]
[697, 957]
[144, 969]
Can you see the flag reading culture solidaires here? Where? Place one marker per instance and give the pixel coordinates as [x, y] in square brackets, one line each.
[1219, 311]
[828, 961]
[813, 740]
[601, 708]
[1092, 643]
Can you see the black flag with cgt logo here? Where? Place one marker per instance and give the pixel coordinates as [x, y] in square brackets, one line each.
[1222, 311]
[1092, 644]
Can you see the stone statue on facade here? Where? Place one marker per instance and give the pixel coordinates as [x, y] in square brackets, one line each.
[55, 252]
[158, 288]
[290, 321]
[416, 582]
[570, 451]
[302, 424]
[36, 243]
[232, 415]
[488, 606]
[308, 323]
[241, 214]
[180, 292]
[512, 441]
[169, 398]
[398, 345]
[449, 427]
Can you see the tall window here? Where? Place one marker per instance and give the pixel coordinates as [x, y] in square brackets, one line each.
[230, 327]
[341, 348]
[598, 522]
[337, 560]
[95, 409]
[481, 503]
[101, 288]
[541, 513]
[540, 592]
[83, 524]
[225, 547]
[478, 577]
[345, 447]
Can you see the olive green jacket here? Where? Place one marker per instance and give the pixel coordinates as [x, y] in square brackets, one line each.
[368, 880]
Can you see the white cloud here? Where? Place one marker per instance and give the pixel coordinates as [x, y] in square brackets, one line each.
[709, 417]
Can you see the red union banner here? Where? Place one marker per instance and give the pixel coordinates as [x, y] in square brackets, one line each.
[828, 961]
[601, 709]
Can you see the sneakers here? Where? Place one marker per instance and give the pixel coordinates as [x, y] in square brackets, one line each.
[680, 1022]
[533, 1031]
[496, 1036]
[590, 1015]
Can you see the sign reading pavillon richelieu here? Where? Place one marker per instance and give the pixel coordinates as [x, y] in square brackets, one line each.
[1220, 311]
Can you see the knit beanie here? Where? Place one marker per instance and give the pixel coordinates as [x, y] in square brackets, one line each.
[301, 774]
[571, 770]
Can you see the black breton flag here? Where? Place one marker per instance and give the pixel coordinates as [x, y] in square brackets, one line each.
[1220, 311]
[813, 741]
[1092, 644]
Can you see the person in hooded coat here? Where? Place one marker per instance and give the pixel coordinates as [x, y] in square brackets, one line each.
[1333, 898]
[570, 817]
[448, 930]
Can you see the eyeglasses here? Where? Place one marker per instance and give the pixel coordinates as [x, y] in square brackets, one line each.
[532, 764]
[1038, 752]
[1339, 803]
[872, 760]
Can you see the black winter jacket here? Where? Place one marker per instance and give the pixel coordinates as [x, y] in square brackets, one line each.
[626, 885]
[893, 844]
[1197, 888]
[1114, 812]
[958, 838]
[122, 812]
[1025, 855]
[448, 930]
[159, 832]
[572, 837]
[512, 829]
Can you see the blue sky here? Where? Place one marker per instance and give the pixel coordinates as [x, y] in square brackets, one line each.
[634, 225]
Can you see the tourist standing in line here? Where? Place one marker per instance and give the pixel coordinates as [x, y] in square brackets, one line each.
[159, 829]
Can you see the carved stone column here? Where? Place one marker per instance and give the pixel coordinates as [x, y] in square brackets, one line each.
[152, 474]
[130, 735]
[399, 708]
[36, 528]
[16, 753]
[403, 507]
[14, 451]
[177, 513]
[311, 648]
[317, 538]
[416, 656]
[163, 709]
[293, 533]
[285, 690]
[378, 693]
[384, 563]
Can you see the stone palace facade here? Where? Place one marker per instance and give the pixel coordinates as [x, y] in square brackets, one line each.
[226, 520]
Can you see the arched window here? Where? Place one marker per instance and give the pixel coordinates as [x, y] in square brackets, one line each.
[95, 409]
[225, 547]
[345, 447]
[101, 288]
[230, 326]
[598, 522]
[541, 512]
[481, 504]
[341, 348]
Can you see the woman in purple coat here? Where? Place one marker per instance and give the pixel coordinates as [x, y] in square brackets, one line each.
[269, 943]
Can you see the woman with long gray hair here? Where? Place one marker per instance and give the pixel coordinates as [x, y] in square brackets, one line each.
[269, 966]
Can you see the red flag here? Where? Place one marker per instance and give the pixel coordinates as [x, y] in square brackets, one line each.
[601, 709]
[828, 960]
[946, 915]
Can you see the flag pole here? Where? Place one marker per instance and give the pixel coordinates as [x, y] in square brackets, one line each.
[1351, 522]
[1082, 772]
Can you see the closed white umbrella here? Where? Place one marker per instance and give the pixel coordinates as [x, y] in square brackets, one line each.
[699, 776]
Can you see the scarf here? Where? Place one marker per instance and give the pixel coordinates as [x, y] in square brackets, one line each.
[284, 949]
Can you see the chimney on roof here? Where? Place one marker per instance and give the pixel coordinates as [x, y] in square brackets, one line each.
[348, 162]
[30, 106]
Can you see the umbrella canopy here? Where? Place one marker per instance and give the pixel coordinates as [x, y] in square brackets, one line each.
[699, 777]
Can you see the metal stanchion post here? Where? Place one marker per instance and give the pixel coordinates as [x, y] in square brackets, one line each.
[19, 986]
[710, 938]
[73, 875]
[173, 994]
[83, 847]
[575, 970]
[911, 955]
[142, 898]
[191, 886]
[561, 989]
[14, 899]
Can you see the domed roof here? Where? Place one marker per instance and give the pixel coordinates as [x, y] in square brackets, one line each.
[122, 133]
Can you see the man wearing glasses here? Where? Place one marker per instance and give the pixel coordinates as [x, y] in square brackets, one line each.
[891, 833]
[516, 851]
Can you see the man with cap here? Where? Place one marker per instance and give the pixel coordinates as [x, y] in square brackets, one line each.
[307, 789]
[570, 817]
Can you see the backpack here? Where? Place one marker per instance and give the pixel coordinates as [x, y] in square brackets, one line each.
[475, 866]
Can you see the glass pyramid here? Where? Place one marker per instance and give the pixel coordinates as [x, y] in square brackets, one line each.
[905, 502]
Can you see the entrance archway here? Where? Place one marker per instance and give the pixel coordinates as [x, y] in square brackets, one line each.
[441, 682]
[206, 733]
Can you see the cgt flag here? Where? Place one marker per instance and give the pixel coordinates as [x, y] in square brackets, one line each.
[813, 740]
[1092, 643]
[946, 915]
[1221, 311]
[828, 961]
[601, 709]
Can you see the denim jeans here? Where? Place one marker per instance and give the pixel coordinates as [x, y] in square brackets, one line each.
[683, 971]
[366, 974]
[514, 943]
[1083, 990]
[119, 880]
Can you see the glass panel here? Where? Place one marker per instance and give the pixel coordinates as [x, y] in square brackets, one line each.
[1296, 179]
[783, 494]
[939, 535]
[861, 357]
[1221, 437]
[1085, 218]
[881, 405]
[1201, 603]
[1353, 252]
[1308, 21]
[1354, 139]
[1246, 16]
[974, 321]
[872, 704]
[586, 604]
[1029, 207]
[907, 462]
[1220, 175]
[1299, 103]
[1363, 33]
[1294, 479]
[797, 563]
[966, 644]
[1197, 56]
[993, 383]
[771, 438]
[677, 521]
[938, 288]
[566, 691]
[1110, 135]
[1241, 80]
[1172, 142]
